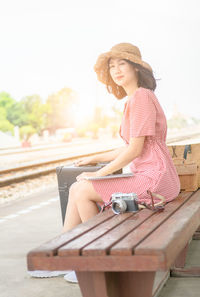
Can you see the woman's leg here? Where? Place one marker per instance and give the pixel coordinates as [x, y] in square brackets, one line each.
[86, 200]
[81, 204]
[72, 217]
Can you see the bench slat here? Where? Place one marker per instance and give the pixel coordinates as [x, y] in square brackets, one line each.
[126, 245]
[74, 247]
[170, 238]
[101, 245]
[98, 263]
[50, 248]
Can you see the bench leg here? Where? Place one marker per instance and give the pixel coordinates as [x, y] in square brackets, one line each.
[136, 284]
[116, 284]
[180, 260]
[196, 235]
[179, 269]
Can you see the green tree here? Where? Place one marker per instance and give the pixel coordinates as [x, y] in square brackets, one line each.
[2, 113]
[26, 132]
[5, 102]
[59, 110]
[33, 112]
[5, 125]
[12, 113]
[17, 115]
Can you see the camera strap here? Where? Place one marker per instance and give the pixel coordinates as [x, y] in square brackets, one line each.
[159, 206]
[106, 205]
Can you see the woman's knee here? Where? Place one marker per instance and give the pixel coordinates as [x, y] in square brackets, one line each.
[73, 188]
[78, 190]
[83, 191]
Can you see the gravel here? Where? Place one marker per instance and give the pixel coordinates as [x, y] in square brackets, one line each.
[23, 189]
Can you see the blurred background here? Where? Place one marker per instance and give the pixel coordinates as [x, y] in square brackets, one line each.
[48, 88]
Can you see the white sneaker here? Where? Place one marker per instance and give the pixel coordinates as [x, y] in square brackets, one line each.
[71, 277]
[47, 273]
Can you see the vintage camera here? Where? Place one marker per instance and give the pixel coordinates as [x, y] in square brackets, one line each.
[124, 202]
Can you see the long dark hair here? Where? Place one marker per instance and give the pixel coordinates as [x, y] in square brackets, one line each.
[146, 80]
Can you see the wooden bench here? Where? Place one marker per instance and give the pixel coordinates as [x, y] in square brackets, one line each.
[119, 255]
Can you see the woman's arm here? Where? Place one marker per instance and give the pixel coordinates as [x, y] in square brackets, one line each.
[104, 157]
[109, 156]
[131, 152]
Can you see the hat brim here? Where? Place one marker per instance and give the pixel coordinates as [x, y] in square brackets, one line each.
[101, 66]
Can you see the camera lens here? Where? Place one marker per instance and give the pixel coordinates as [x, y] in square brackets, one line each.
[119, 206]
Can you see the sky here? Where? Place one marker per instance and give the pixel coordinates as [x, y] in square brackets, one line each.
[46, 45]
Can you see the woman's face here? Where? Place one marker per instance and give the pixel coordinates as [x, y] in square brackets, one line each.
[122, 73]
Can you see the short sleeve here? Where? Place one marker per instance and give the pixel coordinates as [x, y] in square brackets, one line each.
[142, 114]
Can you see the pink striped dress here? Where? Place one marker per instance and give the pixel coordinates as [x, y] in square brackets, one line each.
[153, 169]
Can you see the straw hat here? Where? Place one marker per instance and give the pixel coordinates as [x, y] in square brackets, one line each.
[126, 51]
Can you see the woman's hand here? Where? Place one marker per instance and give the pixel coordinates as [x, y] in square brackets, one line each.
[84, 161]
[84, 175]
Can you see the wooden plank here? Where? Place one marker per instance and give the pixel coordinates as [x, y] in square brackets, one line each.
[102, 244]
[170, 238]
[74, 247]
[127, 244]
[97, 263]
[50, 247]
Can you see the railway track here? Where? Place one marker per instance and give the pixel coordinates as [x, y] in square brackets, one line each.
[47, 147]
[22, 156]
[30, 170]
[33, 169]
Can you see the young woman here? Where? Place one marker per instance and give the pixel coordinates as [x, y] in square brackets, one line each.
[143, 130]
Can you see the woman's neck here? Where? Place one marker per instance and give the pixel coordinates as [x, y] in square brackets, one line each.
[131, 89]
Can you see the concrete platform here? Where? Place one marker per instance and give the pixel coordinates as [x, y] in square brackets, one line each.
[27, 223]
